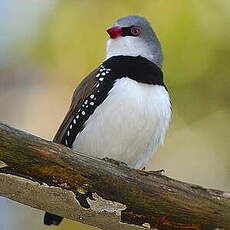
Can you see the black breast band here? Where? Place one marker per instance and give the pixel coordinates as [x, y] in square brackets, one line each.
[138, 68]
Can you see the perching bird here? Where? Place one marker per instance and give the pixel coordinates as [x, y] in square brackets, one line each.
[122, 109]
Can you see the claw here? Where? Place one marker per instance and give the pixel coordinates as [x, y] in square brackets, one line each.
[157, 172]
[147, 173]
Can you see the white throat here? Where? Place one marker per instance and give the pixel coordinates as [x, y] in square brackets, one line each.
[133, 46]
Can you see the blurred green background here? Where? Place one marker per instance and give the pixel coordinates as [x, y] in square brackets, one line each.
[48, 46]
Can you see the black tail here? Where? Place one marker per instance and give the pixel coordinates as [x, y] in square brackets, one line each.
[50, 219]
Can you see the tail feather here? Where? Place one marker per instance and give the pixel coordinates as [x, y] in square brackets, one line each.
[52, 219]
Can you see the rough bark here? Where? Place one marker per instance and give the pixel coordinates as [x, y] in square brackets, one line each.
[104, 194]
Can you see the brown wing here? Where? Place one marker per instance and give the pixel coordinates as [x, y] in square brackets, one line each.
[84, 89]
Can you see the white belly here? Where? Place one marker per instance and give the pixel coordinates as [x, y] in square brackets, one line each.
[128, 125]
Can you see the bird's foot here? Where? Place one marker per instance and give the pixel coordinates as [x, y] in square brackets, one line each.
[115, 162]
[155, 172]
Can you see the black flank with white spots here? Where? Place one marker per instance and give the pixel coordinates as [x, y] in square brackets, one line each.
[138, 68]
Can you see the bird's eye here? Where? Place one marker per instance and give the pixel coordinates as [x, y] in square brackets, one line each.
[135, 30]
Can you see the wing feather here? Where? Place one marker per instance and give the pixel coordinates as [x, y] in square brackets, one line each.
[84, 89]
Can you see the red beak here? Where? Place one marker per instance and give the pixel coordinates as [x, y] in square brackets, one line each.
[115, 31]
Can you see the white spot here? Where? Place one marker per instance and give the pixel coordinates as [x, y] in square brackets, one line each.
[101, 79]
[70, 127]
[107, 71]
[77, 116]
[83, 105]
[79, 110]
[68, 133]
[98, 75]
[92, 95]
[98, 91]
[97, 85]
[74, 121]
[86, 101]
[91, 103]
[87, 106]
[103, 73]
[101, 70]
[83, 112]
[66, 142]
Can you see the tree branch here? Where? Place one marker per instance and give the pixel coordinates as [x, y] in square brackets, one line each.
[53, 178]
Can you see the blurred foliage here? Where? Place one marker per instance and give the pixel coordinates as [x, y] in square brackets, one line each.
[196, 43]
[194, 35]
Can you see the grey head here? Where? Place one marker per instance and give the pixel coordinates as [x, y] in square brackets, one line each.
[134, 36]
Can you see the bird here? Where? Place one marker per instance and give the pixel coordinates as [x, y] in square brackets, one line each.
[122, 109]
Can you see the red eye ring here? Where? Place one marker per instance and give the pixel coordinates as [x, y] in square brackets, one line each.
[135, 30]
